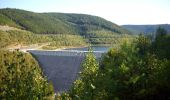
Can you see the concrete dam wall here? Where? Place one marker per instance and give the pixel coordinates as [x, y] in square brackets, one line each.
[61, 67]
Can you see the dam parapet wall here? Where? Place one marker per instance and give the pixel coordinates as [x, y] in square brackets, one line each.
[65, 53]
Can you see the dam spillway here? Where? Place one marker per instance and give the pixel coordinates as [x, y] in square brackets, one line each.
[61, 67]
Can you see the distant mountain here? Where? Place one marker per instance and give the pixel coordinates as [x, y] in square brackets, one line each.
[57, 23]
[136, 29]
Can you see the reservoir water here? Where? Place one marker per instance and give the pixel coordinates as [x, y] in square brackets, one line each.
[94, 48]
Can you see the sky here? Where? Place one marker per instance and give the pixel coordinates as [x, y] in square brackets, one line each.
[120, 12]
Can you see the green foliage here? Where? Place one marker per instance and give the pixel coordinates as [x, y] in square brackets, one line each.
[86, 23]
[132, 72]
[4, 39]
[22, 78]
[132, 76]
[161, 44]
[104, 37]
[21, 37]
[15, 37]
[37, 23]
[60, 40]
[59, 23]
[84, 88]
[160, 32]
[144, 44]
[63, 96]
[6, 21]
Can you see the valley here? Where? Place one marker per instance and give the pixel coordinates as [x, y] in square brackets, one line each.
[69, 56]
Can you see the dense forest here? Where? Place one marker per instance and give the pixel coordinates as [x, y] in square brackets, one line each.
[136, 71]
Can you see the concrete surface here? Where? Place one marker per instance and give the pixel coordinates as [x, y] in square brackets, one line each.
[61, 68]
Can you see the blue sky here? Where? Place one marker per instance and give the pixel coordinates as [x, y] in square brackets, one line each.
[118, 11]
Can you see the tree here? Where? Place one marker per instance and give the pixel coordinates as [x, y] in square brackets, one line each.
[161, 44]
[160, 32]
[134, 72]
[143, 44]
[84, 87]
[22, 78]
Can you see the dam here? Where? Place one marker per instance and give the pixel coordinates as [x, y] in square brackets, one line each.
[61, 67]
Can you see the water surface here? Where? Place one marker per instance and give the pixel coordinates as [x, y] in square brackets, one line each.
[94, 48]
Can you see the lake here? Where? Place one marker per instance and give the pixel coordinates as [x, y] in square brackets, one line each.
[94, 48]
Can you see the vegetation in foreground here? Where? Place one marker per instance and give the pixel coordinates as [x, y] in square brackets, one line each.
[21, 78]
[135, 71]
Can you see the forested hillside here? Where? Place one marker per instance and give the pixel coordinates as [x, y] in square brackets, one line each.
[56, 23]
[15, 37]
[59, 29]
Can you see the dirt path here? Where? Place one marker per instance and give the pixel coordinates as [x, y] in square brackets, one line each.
[7, 28]
[24, 48]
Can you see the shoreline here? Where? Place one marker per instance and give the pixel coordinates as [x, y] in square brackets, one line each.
[58, 49]
[70, 47]
[26, 48]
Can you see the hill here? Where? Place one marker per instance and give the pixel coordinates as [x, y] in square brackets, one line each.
[93, 29]
[136, 29]
[56, 23]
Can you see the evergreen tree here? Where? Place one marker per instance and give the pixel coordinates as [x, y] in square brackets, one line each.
[160, 32]
[84, 87]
